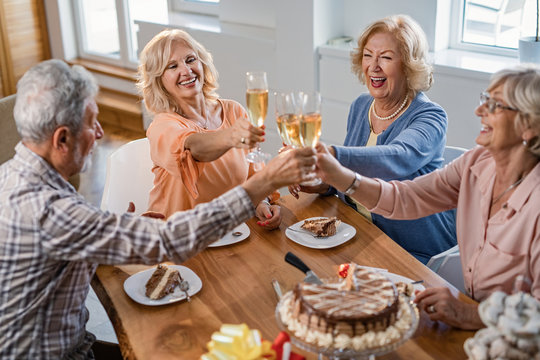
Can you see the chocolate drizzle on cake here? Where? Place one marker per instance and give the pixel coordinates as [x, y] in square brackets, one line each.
[162, 282]
[371, 304]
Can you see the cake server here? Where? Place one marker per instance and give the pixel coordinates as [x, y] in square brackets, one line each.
[295, 261]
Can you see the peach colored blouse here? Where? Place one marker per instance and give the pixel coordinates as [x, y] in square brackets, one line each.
[181, 182]
[493, 251]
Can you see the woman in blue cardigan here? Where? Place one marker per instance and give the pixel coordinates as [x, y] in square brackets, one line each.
[395, 132]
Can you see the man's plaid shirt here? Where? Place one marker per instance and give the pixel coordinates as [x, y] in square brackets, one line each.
[51, 241]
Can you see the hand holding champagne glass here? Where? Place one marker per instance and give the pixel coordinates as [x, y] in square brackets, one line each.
[310, 124]
[257, 105]
[288, 117]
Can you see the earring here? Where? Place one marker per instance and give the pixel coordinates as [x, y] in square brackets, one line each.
[525, 143]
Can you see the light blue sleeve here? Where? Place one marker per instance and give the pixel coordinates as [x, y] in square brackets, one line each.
[411, 146]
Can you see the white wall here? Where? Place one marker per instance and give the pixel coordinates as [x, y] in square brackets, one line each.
[286, 38]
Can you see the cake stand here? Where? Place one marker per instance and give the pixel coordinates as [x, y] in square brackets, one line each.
[336, 354]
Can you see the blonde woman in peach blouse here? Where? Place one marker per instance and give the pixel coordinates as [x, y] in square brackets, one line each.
[198, 142]
[495, 188]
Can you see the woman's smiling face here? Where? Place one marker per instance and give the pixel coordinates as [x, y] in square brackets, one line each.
[498, 130]
[184, 75]
[382, 67]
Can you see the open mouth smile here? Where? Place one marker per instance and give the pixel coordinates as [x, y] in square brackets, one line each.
[187, 82]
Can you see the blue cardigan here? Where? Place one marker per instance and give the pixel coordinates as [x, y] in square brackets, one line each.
[411, 146]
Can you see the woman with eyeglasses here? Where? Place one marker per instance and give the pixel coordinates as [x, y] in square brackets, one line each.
[495, 188]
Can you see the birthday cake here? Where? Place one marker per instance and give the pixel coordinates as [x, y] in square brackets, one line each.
[362, 311]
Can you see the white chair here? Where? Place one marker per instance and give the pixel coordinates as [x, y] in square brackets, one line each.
[448, 266]
[452, 152]
[129, 178]
[451, 271]
[436, 260]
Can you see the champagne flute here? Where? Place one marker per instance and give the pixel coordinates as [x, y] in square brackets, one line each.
[310, 124]
[288, 117]
[257, 105]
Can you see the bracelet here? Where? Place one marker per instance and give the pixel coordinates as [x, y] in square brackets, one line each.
[352, 188]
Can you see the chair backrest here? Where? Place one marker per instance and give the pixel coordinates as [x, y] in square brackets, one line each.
[8, 129]
[436, 260]
[451, 271]
[129, 178]
[451, 153]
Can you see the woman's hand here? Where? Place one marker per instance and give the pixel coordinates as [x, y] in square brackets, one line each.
[290, 167]
[150, 214]
[269, 215]
[316, 189]
[441, 305]
[242, 134]
[330, 170]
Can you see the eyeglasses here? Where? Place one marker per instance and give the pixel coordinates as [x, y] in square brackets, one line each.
[492, 104]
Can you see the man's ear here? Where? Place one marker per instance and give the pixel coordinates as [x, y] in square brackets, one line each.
[61, 139]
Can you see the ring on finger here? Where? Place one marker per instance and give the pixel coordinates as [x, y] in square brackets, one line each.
[431, 309]
[243, 140]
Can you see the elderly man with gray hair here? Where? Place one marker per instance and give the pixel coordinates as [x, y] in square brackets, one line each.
[52, 239]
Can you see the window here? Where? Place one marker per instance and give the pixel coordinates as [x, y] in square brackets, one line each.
[493, 26]
[107, 31]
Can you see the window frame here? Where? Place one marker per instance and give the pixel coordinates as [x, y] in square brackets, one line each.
[456, 31]
[124, 37]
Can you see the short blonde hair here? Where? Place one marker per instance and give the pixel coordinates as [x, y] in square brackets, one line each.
[521, 90]
[153, 62]
[413, 47]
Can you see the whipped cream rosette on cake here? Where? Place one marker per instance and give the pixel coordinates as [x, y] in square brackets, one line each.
[360, 312]
[513, 328]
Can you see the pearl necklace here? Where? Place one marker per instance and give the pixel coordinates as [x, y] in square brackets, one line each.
[507, 190]
[394, 114]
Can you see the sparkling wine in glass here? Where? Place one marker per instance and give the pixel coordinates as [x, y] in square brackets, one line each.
[257, 105]
[288, 117]
[310, 124]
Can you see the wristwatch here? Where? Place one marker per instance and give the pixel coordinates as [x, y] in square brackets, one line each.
[352, 188]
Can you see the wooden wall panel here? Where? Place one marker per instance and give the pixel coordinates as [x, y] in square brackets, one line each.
[24, 38]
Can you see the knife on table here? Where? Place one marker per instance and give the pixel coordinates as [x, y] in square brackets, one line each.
[311, 277]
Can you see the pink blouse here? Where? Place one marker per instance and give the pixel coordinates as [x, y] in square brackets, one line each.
[493, 251]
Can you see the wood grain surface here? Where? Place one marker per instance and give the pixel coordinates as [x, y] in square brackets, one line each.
[237, 288]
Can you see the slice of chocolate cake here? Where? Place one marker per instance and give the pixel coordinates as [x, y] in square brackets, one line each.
[162, 282]
[322, 227]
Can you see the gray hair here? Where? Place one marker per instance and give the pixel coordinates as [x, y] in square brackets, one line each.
[521, 90]
[49, 95]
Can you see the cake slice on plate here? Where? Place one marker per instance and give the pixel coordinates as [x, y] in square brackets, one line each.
[322, 227]
[162, 282]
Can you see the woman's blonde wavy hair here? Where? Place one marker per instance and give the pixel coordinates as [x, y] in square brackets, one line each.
[413, 47]
[521, 90]
[153, 62]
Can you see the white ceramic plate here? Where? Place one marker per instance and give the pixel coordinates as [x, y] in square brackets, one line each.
[134, 286]
[229, 238]
[344, 233]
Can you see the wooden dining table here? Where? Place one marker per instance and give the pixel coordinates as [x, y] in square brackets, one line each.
[237, 288]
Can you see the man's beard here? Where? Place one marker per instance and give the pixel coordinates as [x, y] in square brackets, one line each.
[87, 161]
